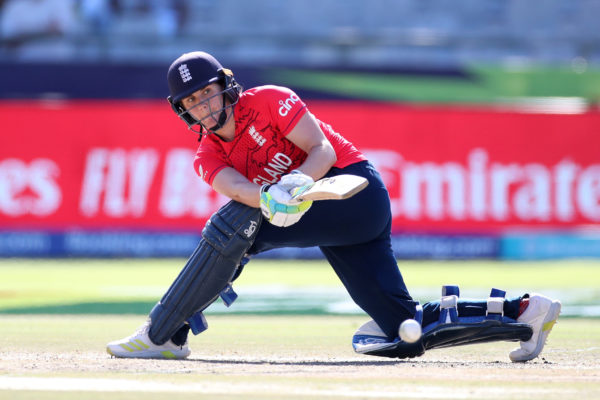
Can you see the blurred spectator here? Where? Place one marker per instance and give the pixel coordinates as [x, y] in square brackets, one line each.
[167, 15]
[97, 15]
[23, 20]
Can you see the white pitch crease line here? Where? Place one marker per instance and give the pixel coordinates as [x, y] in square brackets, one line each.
[128, 385]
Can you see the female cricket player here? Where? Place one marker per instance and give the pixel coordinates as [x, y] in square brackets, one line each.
[256, 147]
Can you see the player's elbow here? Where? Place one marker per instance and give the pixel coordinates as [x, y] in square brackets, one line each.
[323, 155]
[330, 154]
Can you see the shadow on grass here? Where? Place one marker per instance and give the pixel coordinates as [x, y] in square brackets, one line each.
[348, 363]
[417, 361]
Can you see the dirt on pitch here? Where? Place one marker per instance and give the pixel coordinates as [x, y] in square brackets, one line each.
[255, 360]
[463, 363]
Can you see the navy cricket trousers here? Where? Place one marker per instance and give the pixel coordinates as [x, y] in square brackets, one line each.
[354, 235]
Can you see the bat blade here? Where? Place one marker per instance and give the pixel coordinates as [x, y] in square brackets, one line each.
[333, 188]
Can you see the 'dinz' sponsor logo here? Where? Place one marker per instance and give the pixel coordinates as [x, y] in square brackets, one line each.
[286, 105]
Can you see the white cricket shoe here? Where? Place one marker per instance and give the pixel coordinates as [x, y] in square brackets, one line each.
[541, 314]
[139, 345]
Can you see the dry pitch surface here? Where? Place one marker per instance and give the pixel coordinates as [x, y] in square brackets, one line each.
[251, 357]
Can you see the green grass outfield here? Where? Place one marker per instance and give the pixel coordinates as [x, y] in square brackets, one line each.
[57, 315]
[116, 286]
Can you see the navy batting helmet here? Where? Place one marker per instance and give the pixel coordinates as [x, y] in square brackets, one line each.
[194, 71]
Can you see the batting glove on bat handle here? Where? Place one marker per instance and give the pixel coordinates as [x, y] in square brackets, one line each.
[278, 207]
[295, 179]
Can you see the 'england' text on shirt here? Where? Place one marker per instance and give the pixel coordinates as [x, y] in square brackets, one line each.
[278, 166]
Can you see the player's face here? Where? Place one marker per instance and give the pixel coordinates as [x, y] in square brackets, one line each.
[205, 105]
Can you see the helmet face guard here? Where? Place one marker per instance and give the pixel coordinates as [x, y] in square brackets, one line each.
[230, 97]
[192, 72]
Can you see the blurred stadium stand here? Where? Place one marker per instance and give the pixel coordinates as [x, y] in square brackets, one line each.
[536, 64]
[304, 33]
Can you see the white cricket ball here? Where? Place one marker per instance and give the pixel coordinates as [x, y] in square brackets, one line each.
[410, 331]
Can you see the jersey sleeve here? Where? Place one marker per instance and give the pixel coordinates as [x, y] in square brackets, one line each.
[210, 159]
[285, 107]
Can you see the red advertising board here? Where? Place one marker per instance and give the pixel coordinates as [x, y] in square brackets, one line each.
[128, 164]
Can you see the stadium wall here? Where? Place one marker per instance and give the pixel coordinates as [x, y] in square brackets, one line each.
[115, 178]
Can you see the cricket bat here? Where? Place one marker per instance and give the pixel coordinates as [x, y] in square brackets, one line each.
[333, 188]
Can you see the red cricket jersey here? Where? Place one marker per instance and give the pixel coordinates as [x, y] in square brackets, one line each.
[264, 115]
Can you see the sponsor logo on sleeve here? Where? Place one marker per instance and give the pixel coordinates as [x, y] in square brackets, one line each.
[287, 104]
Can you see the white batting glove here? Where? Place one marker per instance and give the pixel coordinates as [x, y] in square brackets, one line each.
[294, 180]
[279, 208]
